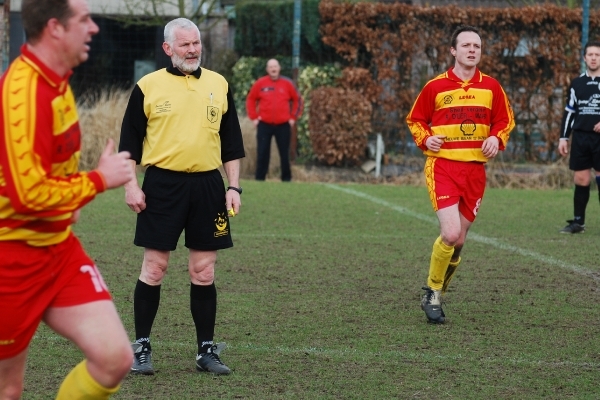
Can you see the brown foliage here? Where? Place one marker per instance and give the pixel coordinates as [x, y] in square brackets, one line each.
[339, 123]
[100, 119]
[360, 80]
[533, 51]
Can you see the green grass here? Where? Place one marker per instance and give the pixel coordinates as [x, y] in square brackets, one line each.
[319, 299]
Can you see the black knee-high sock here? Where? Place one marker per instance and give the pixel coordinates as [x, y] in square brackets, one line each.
[203, 304]
[598, 185]
[146, 299]
[580, 200]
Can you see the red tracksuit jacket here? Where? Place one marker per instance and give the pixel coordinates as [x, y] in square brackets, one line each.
[277, 101]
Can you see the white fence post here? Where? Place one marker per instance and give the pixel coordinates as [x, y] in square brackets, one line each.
[378, 155]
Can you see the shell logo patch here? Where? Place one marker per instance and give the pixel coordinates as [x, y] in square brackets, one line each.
[468, 127]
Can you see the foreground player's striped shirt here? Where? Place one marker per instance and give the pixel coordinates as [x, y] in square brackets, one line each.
[467, 113]
[40, 186]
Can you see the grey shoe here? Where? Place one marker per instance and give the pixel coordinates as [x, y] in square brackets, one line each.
[142, 359]
[431, 303]
[573, 227]
[210, 361]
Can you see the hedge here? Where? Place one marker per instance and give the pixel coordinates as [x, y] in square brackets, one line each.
[265, 28]
[533, 51]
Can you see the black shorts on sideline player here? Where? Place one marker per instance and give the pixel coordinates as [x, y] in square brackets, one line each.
[585, 151]
[178, 201]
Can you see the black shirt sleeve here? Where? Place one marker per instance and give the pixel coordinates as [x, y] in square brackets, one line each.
[133, 128]
[570, 112]
[232, 144]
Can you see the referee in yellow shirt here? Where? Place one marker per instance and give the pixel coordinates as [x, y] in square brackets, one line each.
[181, 124]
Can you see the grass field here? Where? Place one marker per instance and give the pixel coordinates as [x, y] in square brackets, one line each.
[319, 299]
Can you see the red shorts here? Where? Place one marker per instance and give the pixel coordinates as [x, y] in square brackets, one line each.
[33, 279]
[450, 182]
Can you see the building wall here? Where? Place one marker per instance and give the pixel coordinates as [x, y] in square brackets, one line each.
[112, 7]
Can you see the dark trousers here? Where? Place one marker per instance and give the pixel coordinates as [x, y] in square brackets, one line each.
[264, 133]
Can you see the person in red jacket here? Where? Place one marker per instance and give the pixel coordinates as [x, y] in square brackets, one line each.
[274, 105]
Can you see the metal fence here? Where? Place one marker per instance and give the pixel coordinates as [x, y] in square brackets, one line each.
[119, 56]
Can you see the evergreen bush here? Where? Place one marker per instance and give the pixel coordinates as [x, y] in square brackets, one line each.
[248, 69]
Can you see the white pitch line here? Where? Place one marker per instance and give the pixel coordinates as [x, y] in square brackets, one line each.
[474, 236]
[313, 236]
[364, 354]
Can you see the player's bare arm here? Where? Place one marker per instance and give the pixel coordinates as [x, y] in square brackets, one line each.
[232, 198]
[563, 147]
[134, 196]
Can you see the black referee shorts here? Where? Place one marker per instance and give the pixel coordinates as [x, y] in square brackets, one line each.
[178, 201]
[585, 151]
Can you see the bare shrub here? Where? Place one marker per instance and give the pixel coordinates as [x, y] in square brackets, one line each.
[100, 118]
[248, 163]
[530, 176]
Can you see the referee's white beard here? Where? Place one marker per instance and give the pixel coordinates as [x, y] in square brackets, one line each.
[183, 64]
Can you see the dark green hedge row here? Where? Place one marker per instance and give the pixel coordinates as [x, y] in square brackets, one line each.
[264, 29]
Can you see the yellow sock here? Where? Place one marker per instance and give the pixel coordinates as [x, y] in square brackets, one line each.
[79, 385]
[440, 258]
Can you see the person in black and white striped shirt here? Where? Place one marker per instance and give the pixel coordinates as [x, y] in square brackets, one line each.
[582, 119]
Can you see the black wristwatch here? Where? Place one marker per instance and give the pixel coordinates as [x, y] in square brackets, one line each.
[239, 190]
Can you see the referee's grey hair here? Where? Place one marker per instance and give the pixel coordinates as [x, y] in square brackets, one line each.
[182, 23]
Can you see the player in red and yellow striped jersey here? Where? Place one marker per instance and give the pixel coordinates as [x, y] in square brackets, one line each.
[460, 120]
[45, 275]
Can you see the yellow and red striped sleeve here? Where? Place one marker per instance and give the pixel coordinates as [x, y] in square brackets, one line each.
[40, 143]
[421, 114]
[503, 118]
